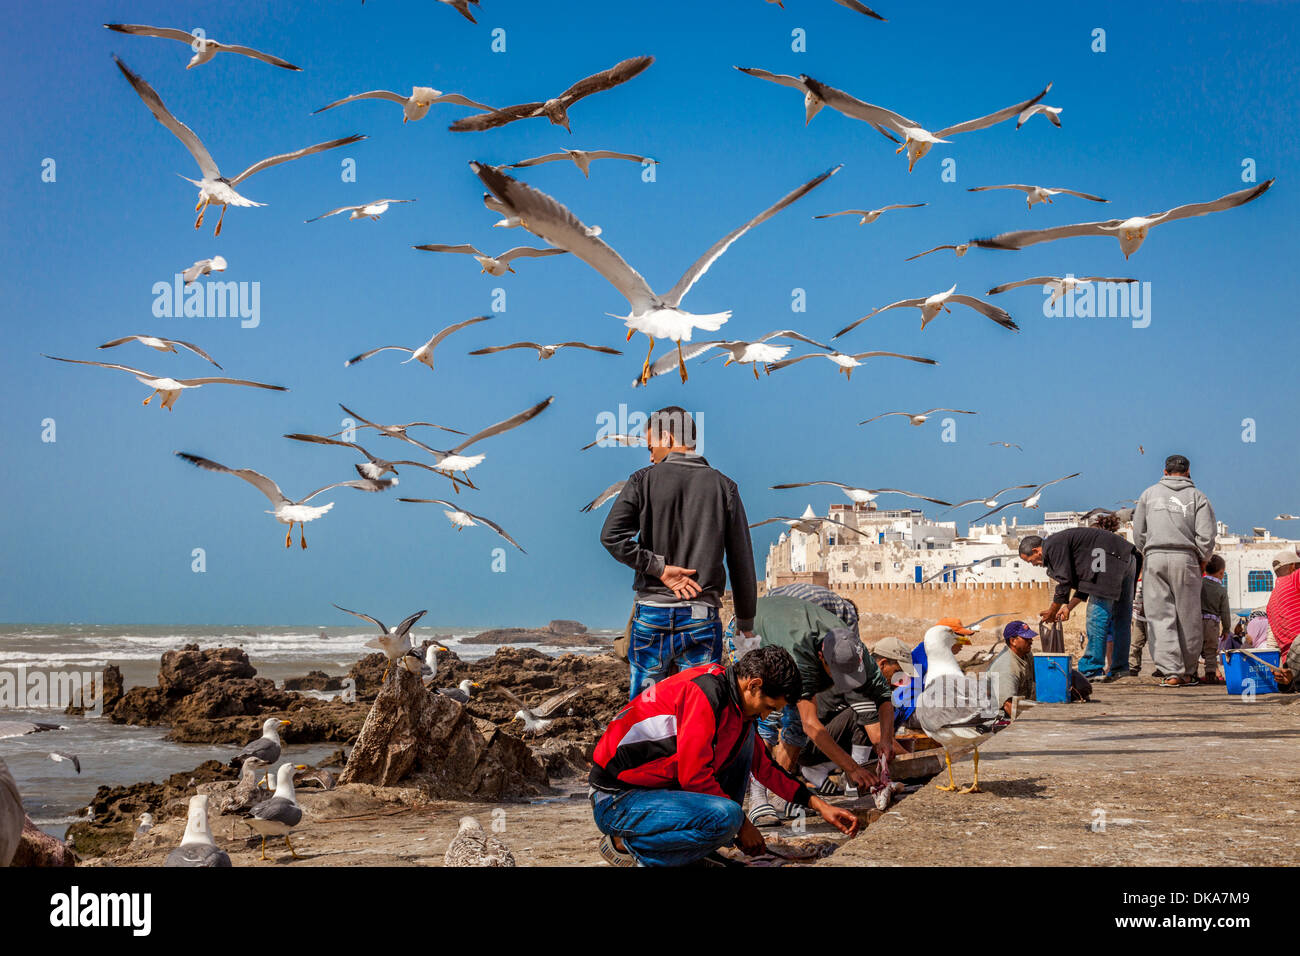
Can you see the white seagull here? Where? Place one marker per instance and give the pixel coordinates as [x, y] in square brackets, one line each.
[557, 108]
[1030, 501]
[1059, 285]
[964, 567]
[414, 107]
[197, 847]
[1042, 194]
[170, 388]
[738, 351]
[846, 362]
[424, 353]
[287, 511]
[807, 523]
[917, 418]
[280, 814]
[657, 316]
[932, 305]
[990, 501]
[616, 441]
[391, 431]
[869, 215]
[582, 158]
[545, 351]
[959, 249]
[955, 710]
[204, 47]
[465, 519]
[538, 719]
[160, 344]
[1053, 113]
[452, 460]
[204, 267]
[214, 188]
[606, 495]
[1130, 232]
[493, 265]
[370, 210]
[472, 847]
[394, 642]
[857, 495]
[374, 467]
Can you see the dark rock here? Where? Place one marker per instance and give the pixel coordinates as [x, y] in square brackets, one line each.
[112, 691]
[36, 848]
[314, 680]
[566, 627]
[555, 634]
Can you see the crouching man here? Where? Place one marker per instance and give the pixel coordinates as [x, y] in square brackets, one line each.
[669, 773]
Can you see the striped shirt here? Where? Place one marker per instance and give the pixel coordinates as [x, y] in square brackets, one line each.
[1284, 611]
[824, 598]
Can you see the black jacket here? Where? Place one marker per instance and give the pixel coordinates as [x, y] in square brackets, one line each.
[684, 513]
[1088, 560]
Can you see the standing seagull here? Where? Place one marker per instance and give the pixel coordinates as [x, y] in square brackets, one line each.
[557, 109]
[1130, 232]
[846, 362]
[160, 344]
[394, 642]
[205, 48]
[860, 496]
[370, 210]
[265, 748]
[287, 511]
[465, 519]
[917, 418]
[170, 388]
[214, 188]
[472, 847]
[423, 354]
[1035, 194]
[1059, 286]
[453, 460]
[931, 306]
[279, 815]
[414, 107]
[869, 215]
[582, 158]
[955, 710]
[654, 315]
[493, 265]
[197, 846]
[546, 351]
[204, 267]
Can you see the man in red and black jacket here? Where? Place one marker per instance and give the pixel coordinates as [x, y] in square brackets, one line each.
[669, 773]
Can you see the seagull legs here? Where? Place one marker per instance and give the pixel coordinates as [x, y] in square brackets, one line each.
[150, 398]
[952, 784]
[288, 535]
[302, 535]
[290, 846]
[221, 219]
[975, 784]
[263, 846]
[754, 366]
[201, 208]
[645, 367]
[681, 361]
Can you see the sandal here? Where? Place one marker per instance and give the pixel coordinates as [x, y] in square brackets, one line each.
[1174, 682]
[613, 855]
[764, 815]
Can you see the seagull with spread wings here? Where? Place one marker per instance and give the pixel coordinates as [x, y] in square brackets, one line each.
[582, 158]
[859, 496]
[932, 305]
[170, 388]
[465, 519]
[204, 267]
[285, 510]
[990, 501]
[414, 107]
[1131, 232]
[959, 249]
[376, 467]
[390, 431]
[1042, 194]
[1053, 113]
[869, 215]
[538, 719]
[1059, 285]
[394, 642]
[846, 362]
[1007, 444]
[161, 344]
[453, 460]
[493, 265]
[817, 94]
[917, 418]
[369, 210]
[615, 441]
[556, 109]
[739, 352]
[655, 316]
[808, 524]
[965, 567]
[1030, 501]
[546, 351]
[204, 47]
[424, 353]
[214, 188]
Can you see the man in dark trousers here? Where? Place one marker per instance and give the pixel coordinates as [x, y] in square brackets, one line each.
[681, 526]
[1100, 567]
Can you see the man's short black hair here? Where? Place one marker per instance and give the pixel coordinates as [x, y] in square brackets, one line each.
[776, 667]
[1029, 542]
[1178, 465]
[676, 421]
[1215, 564]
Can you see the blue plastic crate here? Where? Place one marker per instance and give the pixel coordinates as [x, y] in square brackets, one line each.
[1052, 678]
[1238, 669]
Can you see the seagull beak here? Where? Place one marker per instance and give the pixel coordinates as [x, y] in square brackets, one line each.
[284, 723]
[300, 766]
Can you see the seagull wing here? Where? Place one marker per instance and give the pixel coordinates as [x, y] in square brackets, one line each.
[258, 480]
[503, 348]
[193, 348]
[120, 368]
[323, 440]
[494, 526]
[805, 484]
[860, 8]
[361, 484]
[194, 382]
[1239, 198]
[880, 416]
[898, 355]
[439, 247]
[552, 704]
[784, 79]
[785, 363]
[548, 219]
[902, 303]
[178, 129]
[1029, 237]
[782, 518]
[955, 411]
[371, 95]
[669, 360]
[843, 212]
[999, 508]
[902, 205]
[590, 348]
[842, 525]
[514, 421]
[1103, 279]
[383, 348]
[606, 79]
[886, 122]
[1057, 480]
[514, 700]
[332, 212]
[604, 496]
[1073, 192]
[365, 617]
[1036, 280]
[442, 334]
[141, 30]
[537, 160]
[981, 189]
[991, 119]
[909, 494]
[701, 266]
[527, 252]
[482, 121]
[296, 154]
[259, 55]
[1000, 316]
[407, 624]
[459, 100]
[927, 252]
[611, 154]
[797, 336]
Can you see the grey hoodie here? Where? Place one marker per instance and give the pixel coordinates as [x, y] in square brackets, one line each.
[1174, 515]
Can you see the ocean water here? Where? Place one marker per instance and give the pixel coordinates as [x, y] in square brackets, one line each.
[54, 795]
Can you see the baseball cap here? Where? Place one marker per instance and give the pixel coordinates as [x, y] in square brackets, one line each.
[1018, 629]
[844, 655]
[895, 649]
[955, 624]
[1285, 557]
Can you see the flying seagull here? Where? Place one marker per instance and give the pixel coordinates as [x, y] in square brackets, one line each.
[1059, 286]
[373, 467]
[869, 215]
[390, 431]
[1042, 194]
[917, 418]
[370, 210]
[738, 352]
[160, 344]
[817, 94]
[423, 354]
[851, 4]
[963, 567]
[931, 306]
[59, 756]
[214, 188]
[672, 360]
[204, 267]
[465, 519]
[170, 388]
[494, 265]
[846, 362]
[279, 815]
[453, 460]
[393, 642]
[546, 351]
[857, 495]
[809, 524]
[657, 316]
[989, 501]
[204, 47]
[613, 441]
[582, 158]
[1030, 501]
[537, 720]
[472, 847]
[1053, 113]
[606, 495]
[287, 511]
[557, 109]
[197, 846]
[1287, 517]
[1007, 444]
[20, 728]
[414, 107]
[1130, 232]
[510, 218]
[959, 249]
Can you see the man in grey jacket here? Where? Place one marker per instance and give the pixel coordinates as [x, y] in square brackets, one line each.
[1174, 528]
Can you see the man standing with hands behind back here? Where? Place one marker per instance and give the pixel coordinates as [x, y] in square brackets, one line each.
[681, 526]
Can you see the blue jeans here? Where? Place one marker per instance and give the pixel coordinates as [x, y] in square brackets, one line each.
[668, 827]
[1109, 617]
[664, 640]
[785, 725]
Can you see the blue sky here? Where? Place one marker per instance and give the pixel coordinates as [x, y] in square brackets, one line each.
[100, 524]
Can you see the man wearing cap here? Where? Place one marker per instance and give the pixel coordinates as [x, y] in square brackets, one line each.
[827, 654]
[1011, 674]
[1284, 603]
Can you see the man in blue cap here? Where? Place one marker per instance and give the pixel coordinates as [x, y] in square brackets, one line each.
[1011, 673]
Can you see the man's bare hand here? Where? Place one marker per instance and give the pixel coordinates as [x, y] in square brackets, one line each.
[1045, 616]
[679, 581]
[846, 821]
[750, 840]
[861, 777]
[1063, 614]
